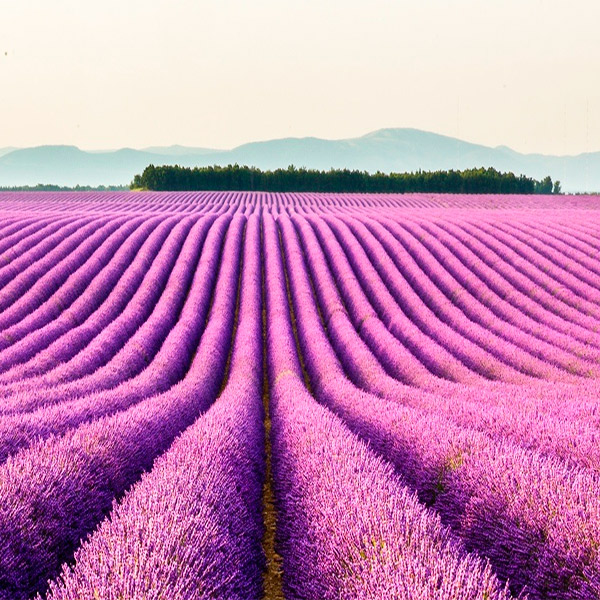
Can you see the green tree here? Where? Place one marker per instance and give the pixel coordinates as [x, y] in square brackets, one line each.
[556, 189]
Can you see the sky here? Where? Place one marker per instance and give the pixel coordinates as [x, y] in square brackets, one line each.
[216, 74]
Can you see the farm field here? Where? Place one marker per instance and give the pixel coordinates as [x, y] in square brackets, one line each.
[242, 395]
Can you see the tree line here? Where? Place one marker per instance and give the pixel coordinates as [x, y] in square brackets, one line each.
[293, 179]
[51, 187]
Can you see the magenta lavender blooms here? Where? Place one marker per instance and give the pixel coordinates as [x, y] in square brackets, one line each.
[246, 395]
[192, 526]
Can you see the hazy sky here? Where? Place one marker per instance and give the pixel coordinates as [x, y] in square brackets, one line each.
[112, 73]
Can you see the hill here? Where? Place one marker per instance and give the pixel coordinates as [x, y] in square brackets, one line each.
[387, 150]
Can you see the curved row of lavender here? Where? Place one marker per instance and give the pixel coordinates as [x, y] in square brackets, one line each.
[349, 527]
[204, 537]
[431, 381]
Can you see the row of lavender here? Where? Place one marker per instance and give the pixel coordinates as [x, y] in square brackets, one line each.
[58, 203]
[452, 355]
[441, 298]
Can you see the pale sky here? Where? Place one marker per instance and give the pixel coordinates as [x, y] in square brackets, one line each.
[114, 73]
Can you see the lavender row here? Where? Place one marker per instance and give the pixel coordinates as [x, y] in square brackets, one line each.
[129, 344]
[26, 268]
[513, 414]
[574, 258]
[576, 238]
[522, 275]
[573, 286]
[513, 287]
[534, 517]
[477, 257]
[436, 357]
[202, 538]
[508, 355]
[445, 287]
[63, 282]
[434, 322]
[39, 330]
[96, 462]
[491, 293]
[513, 506]
[342, 330]
[503, 412]
[10, 226]
[180, 202]
[13, 244]
[381, 342]
[333, 270]
[168, 367]
[129, 302]
[347, 527]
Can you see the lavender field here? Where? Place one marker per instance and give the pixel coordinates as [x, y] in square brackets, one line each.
[242, 395]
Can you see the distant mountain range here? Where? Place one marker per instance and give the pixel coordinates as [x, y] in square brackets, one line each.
[4, 151]
[386, 150]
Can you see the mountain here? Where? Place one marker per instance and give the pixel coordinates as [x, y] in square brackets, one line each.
[385, 150]
[4, 151]
[68, 165]
[177, 150]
